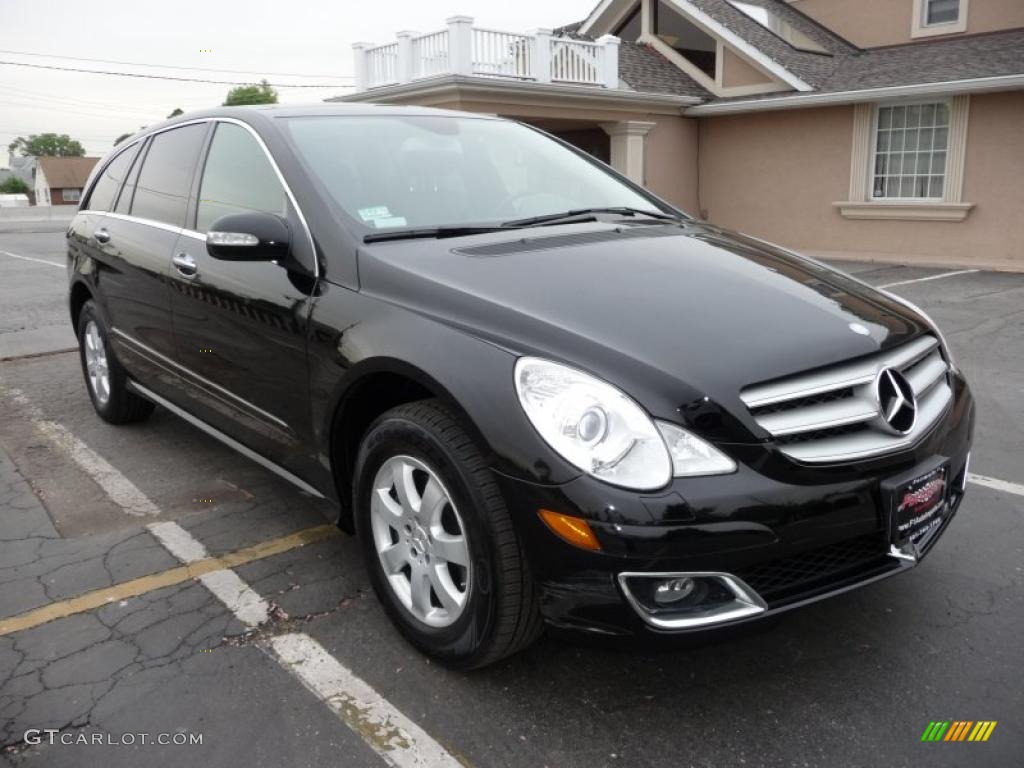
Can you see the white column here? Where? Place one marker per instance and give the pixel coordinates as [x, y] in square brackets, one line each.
[362, 73]
[627, 145]
[610, 56]
[460, 44]
[405, 63]
[540, 55]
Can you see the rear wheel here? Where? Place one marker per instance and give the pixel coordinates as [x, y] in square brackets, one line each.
[440, 548]
[105, 379]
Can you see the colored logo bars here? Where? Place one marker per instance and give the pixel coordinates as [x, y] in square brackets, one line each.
[958, 730]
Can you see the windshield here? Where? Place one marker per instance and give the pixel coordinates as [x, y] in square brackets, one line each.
[401, 172]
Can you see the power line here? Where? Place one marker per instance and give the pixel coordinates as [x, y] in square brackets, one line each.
[175, 67]
[159, 77]
[76, 102]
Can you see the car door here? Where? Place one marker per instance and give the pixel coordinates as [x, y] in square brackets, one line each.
[240, 326]
[136, 239]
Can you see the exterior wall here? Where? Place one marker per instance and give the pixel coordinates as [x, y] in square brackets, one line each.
[777, 174]
[736, 72]
[871, 23]
[670, 159]
[57, 196]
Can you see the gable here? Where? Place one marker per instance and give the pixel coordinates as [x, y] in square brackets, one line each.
[695, 40]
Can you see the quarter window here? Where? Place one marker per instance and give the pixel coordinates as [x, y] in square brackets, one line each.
[106, 186]
[237, 178]
[164, 182]
[911, 143]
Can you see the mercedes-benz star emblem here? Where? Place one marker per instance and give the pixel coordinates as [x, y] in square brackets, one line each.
[896, 402]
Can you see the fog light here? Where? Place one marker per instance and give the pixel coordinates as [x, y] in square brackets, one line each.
[673, 590]
[689, 600]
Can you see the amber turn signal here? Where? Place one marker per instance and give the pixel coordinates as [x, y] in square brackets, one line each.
[574, 530]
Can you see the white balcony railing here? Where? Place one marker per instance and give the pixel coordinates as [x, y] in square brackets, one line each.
[462, 49]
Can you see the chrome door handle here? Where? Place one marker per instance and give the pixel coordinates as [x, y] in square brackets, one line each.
[101, 235]
[185, 265]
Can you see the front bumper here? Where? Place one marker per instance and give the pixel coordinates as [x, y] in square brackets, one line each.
[791, 535]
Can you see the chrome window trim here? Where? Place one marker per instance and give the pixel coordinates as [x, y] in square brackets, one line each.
[206, 382]
[140, 220]
[199, 235]
[226, 439]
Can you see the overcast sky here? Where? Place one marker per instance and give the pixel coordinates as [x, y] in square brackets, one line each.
[308, 40]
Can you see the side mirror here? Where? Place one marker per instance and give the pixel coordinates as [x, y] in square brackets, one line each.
[249, 237]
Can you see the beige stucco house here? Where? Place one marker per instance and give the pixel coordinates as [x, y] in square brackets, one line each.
[880, 129]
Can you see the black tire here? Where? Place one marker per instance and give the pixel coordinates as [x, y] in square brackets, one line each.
[501, 614]
[121, 406]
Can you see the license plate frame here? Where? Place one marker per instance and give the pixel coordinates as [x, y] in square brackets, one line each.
[917, 504]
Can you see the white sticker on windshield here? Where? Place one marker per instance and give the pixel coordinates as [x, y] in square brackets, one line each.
[372, 214]
[391, 221]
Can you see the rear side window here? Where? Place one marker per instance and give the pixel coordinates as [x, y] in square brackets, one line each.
[237, 178]
[161, 192]
[106, 186]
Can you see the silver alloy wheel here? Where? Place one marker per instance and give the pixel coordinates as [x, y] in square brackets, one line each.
[420, 540]
[96, 363]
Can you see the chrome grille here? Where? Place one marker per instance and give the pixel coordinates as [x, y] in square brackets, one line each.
[832, 415]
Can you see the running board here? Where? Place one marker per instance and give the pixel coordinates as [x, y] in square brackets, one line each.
[228, 441]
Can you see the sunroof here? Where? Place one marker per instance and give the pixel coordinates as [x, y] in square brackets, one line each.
[778, 26]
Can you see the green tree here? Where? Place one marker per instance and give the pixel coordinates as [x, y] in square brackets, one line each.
[251, 94]
[12, 186]
[48, 145]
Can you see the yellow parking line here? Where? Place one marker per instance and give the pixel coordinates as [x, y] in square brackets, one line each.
[100, 597]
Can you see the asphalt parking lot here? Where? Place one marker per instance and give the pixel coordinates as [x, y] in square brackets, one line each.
[90, 509]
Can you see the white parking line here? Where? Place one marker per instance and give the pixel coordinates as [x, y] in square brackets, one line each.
[996, 484]
[397, 739]
[119, 488]
[931, 277]
[241, 599]
[29, 258]
[399, 742]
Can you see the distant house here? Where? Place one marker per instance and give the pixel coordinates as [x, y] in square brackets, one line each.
[59, 180]
[873, 129]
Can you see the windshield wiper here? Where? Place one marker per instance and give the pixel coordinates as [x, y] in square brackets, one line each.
[555, 218]
[429, 232]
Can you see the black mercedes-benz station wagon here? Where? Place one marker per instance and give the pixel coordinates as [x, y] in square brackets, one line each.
[536, 393]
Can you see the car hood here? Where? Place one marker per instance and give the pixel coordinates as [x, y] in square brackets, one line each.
[671, 314]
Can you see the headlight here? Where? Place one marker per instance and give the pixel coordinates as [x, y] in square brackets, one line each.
[603, 432]
[692, 456]
[593, 425]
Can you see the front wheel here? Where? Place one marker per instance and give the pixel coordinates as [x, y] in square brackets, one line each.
[440, 548]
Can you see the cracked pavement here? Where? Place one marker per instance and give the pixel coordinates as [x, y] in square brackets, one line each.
[852, 681]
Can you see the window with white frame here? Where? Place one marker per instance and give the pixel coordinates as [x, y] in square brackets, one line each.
[911, 142]
[71, 195]
[938, 17]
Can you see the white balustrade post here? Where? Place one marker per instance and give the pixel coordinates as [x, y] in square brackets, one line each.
[610, 55]
[362, 71]
[460, 44]
[405, 62]
[540, 55]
